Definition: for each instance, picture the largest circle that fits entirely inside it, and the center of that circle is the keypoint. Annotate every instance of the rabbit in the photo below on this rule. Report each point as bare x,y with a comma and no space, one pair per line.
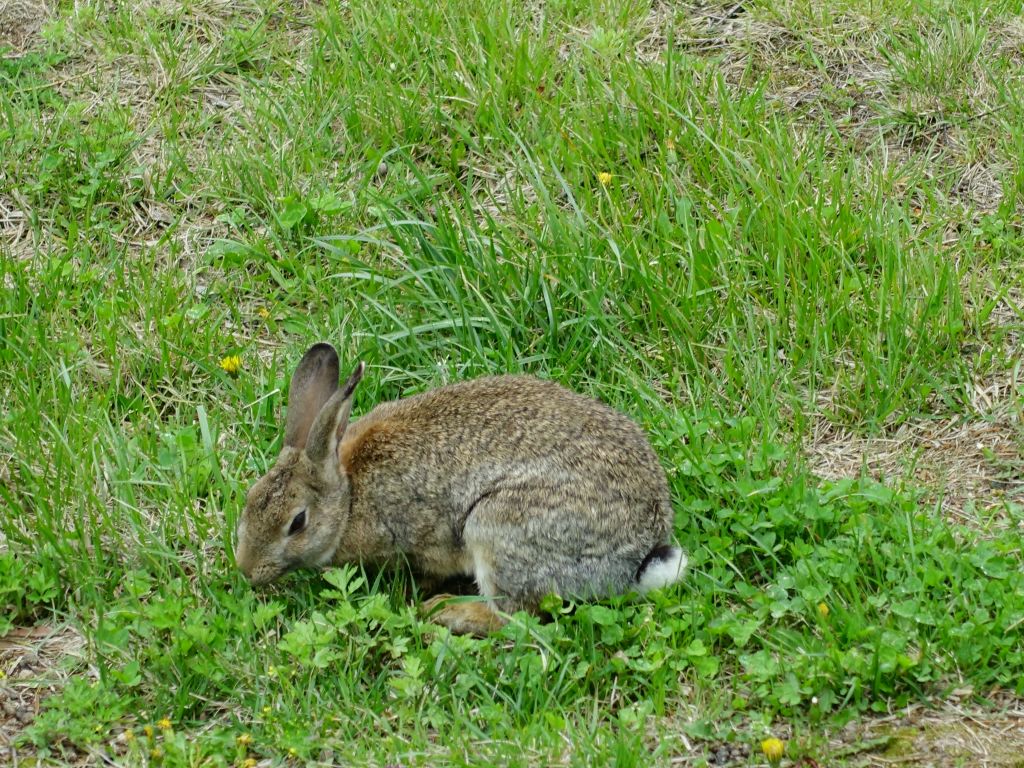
517,482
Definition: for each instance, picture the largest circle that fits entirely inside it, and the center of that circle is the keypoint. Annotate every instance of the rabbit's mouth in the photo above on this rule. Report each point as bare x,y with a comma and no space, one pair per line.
325,558
264,574
257,573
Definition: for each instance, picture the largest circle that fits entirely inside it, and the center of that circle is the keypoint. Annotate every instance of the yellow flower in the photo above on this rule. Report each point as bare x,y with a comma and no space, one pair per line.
292,752
263,312
267,710
231,364
128,735
670,144
163,724
272,671
773,749
823,610
605,178
244,739
249,762
148,730
156,753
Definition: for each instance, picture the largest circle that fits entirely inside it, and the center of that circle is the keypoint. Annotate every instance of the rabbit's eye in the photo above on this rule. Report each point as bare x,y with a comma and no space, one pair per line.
298,523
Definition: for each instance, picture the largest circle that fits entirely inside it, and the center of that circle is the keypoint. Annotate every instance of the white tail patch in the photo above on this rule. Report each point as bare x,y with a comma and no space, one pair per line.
663,572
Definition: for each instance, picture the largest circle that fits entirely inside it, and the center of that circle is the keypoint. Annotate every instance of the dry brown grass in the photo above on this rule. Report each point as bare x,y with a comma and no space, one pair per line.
954,736
35,662
20,23
972,469
15,232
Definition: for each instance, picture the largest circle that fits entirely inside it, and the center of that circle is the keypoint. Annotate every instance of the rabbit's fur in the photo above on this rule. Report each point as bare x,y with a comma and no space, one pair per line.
518,482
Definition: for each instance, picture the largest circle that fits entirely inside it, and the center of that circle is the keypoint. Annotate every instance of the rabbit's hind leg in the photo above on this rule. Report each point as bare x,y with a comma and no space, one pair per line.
476,616
468,616
463,616
531,542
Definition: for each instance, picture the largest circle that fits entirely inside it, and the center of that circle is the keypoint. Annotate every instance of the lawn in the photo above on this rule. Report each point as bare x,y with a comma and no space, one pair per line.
785,236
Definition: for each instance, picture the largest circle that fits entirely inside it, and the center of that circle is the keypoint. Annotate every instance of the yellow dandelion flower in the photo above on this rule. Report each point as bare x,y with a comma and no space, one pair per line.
231,364
249,762
773,749
263,312
605,178
244,739
823,610
272,671
292,752
148,730
156,753
268,710
164,724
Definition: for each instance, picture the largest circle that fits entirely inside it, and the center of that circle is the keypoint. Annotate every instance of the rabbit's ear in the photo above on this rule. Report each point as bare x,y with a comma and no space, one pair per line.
313,383
330,424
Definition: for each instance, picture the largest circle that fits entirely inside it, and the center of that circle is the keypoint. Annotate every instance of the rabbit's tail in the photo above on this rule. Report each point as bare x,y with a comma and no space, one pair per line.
664,565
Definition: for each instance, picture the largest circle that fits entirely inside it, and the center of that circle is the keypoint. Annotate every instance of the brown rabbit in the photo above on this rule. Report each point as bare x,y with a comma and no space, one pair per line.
523,485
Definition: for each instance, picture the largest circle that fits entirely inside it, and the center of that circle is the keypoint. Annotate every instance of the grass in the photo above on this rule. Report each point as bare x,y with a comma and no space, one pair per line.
752,228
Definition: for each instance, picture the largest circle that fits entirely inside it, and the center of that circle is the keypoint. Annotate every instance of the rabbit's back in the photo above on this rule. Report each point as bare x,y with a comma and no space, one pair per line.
570,464
483,425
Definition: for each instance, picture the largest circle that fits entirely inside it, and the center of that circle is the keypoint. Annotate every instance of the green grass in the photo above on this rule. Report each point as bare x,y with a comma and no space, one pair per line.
815,221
